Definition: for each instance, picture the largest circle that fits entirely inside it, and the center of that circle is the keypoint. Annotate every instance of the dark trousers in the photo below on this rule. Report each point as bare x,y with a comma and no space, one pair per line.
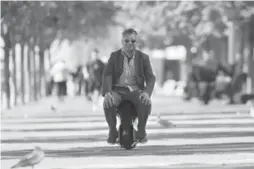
236,85
143,111
61,88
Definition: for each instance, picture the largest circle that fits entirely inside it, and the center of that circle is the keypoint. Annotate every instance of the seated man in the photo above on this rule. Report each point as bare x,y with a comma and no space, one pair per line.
131,68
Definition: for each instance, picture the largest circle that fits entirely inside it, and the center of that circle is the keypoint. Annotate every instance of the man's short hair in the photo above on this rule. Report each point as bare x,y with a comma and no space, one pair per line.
129,32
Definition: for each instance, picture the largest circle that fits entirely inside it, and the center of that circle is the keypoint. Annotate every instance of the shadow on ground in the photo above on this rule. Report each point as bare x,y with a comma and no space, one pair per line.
138,151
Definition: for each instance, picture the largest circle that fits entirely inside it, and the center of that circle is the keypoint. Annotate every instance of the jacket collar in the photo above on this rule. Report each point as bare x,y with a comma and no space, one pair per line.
136,60
125,54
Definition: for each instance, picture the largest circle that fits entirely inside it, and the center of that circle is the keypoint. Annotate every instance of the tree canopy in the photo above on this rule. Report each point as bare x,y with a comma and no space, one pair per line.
159,21
165,20
34,20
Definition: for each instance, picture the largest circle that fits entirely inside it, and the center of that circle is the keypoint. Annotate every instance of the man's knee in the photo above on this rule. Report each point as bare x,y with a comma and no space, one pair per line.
140,106
106,106
144,108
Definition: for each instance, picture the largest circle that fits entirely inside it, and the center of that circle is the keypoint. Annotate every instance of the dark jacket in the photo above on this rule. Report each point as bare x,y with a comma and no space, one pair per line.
96,69
114,68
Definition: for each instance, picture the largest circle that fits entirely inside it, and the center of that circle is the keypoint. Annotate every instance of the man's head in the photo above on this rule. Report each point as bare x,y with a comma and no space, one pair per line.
95,54
129,37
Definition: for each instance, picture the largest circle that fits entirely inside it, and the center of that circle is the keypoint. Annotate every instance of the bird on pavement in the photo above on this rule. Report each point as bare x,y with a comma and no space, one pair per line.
164,123
31,159
53,108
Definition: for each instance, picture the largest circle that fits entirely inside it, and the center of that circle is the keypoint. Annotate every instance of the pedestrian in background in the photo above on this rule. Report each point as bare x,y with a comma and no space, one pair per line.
60,74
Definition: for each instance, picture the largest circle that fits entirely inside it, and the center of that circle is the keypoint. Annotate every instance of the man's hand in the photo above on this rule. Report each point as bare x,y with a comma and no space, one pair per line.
109,100
145,99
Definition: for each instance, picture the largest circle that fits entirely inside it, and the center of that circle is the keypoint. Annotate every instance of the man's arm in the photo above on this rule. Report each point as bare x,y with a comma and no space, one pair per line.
107,76
149,76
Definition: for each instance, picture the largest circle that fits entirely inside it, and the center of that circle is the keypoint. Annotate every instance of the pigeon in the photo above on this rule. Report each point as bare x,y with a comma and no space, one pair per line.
31,159
164,123
53,108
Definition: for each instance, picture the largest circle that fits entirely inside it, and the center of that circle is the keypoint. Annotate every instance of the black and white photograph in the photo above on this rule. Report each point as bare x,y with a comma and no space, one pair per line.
128,84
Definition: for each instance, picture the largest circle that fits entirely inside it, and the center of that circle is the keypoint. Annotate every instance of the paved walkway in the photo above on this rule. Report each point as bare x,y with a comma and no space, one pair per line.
78,105
216,136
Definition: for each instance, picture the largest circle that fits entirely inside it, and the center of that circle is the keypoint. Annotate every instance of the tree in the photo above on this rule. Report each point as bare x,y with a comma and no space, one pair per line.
195,19
38,23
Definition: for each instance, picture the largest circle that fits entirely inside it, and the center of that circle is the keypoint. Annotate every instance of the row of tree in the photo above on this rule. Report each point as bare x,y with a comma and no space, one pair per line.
159,23
38,24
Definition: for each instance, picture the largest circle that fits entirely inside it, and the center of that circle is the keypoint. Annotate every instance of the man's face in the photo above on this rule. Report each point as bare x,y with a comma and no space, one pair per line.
94,55
129,42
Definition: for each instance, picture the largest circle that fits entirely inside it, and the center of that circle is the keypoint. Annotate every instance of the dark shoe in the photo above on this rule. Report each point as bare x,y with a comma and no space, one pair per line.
88,98
141,137
142,140
231,102
187,97
112,137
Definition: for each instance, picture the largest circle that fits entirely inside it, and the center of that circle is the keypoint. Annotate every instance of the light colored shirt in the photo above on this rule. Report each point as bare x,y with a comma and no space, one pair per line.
128,77
59,72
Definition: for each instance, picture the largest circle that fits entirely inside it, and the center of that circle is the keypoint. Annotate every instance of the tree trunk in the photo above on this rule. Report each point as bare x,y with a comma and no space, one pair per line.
14,77
41,71
34,69
7,68
48,79
242,46
29,73
22,73
251,55
231,42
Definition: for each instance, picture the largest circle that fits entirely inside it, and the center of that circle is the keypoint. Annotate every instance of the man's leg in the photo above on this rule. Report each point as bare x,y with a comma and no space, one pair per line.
59,91
80,82
208,92
64,90
143,112
87,88
232,90
110,115
56,103
187,89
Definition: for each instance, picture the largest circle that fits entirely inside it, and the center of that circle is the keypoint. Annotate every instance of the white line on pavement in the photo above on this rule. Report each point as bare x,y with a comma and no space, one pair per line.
53,134
143,161
102,118
162,142
91,125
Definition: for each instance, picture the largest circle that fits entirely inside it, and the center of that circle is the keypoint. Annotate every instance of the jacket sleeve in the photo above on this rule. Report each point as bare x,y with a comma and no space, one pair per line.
107,76
149,75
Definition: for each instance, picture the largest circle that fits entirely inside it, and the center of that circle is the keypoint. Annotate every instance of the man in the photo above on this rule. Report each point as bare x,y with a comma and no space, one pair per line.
238,79
79,79
132,68
96,70
60,74
92,72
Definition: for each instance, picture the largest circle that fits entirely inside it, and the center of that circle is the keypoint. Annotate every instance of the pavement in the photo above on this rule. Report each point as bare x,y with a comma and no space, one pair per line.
74,106
214,136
